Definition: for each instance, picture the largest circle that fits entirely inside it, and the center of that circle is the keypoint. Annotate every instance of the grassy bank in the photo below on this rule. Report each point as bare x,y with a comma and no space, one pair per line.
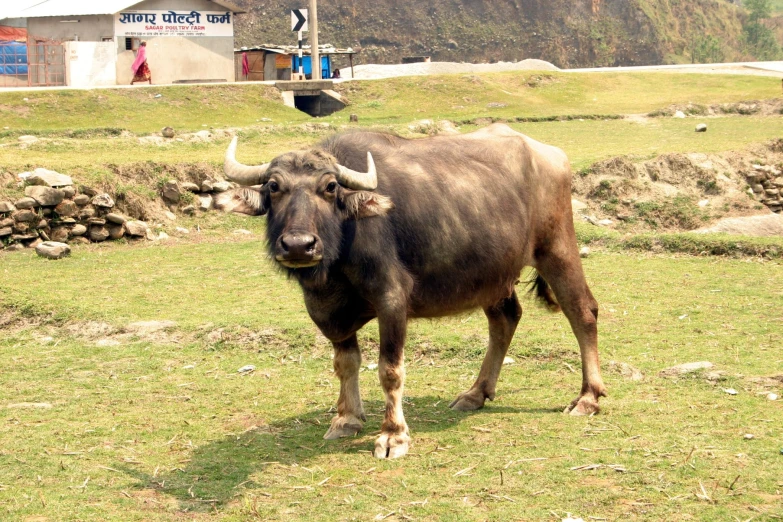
87,134
142,110
585,142
724,245
397,100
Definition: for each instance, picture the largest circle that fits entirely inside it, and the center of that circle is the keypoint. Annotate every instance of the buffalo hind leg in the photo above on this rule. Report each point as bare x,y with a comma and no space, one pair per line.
350,412
503,318
561,268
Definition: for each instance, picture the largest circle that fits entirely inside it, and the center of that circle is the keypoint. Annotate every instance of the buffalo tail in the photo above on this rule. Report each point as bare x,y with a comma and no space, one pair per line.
543,292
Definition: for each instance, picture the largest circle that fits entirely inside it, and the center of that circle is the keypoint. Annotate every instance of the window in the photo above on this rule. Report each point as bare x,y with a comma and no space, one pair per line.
107,38
132,44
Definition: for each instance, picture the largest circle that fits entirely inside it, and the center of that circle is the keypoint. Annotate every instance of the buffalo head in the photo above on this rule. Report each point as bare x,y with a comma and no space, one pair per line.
308,197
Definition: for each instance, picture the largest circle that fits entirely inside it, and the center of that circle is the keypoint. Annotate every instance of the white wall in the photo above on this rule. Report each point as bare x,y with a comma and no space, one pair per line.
89,28
174,59
90,64
171,59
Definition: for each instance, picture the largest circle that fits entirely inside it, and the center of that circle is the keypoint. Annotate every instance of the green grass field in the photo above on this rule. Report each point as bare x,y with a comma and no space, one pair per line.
103,422
163,428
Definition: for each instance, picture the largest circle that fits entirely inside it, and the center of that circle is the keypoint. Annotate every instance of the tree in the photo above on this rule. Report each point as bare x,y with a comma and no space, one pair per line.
758,9
759,39
707,49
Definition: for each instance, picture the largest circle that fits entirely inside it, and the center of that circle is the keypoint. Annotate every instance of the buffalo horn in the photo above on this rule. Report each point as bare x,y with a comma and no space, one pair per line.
359,180
245,175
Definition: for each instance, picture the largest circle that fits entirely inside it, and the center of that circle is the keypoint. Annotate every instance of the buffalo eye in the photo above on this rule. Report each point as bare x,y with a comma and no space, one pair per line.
274,187
331,187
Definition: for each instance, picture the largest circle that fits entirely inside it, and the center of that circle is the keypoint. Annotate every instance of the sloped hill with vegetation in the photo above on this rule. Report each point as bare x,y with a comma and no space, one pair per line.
568,33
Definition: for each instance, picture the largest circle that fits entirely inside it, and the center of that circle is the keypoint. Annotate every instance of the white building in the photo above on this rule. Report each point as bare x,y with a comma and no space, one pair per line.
93,42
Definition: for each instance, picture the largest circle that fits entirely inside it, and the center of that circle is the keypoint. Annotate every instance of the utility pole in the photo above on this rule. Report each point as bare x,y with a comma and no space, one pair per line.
315,57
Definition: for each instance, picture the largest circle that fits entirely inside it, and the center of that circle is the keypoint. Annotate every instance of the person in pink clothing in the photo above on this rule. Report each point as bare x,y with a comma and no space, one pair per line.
245,66
141,71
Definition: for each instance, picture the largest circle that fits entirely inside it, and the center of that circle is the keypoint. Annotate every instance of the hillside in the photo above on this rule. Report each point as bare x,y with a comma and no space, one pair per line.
568,33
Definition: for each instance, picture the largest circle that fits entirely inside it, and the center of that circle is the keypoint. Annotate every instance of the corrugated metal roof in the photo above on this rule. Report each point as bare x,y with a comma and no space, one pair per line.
44,8
11,9
80,8
293,49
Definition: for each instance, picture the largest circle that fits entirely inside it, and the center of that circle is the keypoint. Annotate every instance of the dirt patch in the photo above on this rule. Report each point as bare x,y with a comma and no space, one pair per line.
773,382
153,500
22,111
625,370
105,335
203,136
149,172
641,119
745,108
13,321
243,338
766,225
90,329
676,192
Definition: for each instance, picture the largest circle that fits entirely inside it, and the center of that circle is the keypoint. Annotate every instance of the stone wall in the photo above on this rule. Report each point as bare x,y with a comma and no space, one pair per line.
54,209
766,182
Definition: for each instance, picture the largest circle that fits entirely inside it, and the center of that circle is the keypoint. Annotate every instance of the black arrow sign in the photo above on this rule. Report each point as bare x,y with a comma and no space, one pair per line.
301,20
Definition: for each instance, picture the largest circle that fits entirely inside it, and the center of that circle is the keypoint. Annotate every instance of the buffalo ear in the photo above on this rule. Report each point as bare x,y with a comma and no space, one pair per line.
245,200
362,204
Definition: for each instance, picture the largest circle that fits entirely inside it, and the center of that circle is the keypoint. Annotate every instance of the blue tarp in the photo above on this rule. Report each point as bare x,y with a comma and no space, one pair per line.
307,65
13,58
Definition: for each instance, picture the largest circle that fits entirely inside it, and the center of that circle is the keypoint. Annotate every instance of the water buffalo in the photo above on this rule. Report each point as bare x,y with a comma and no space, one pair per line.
373,225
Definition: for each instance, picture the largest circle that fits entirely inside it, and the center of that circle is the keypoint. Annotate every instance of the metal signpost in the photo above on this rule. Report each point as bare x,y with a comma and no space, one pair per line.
299,24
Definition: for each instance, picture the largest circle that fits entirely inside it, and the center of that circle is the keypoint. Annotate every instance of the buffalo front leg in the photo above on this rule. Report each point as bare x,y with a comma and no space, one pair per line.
562,270
503,318
394,440
350,412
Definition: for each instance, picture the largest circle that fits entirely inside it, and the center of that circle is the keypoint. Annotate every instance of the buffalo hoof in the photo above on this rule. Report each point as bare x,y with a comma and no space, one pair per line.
584,405
347,426
392,445
468,401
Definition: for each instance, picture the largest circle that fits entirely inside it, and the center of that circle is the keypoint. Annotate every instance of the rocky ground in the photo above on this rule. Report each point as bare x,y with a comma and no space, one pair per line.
686,192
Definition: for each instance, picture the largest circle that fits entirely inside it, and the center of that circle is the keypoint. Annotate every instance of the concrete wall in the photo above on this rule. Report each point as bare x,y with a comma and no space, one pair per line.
271,72
88,28
90,64
174,59
171,59
14,22
95,28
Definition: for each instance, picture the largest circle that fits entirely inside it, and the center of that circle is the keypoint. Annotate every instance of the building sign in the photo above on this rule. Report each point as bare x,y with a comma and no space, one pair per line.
282,61
147,24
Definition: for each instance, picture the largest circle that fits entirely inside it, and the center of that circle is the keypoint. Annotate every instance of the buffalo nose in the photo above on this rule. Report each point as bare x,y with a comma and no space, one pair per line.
299,246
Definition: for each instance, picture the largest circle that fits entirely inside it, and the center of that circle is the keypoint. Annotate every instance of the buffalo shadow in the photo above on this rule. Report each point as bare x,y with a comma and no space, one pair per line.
215,470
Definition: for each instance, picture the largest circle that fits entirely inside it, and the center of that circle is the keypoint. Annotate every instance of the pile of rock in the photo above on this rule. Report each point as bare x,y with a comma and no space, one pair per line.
53,209
766,182
191,196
